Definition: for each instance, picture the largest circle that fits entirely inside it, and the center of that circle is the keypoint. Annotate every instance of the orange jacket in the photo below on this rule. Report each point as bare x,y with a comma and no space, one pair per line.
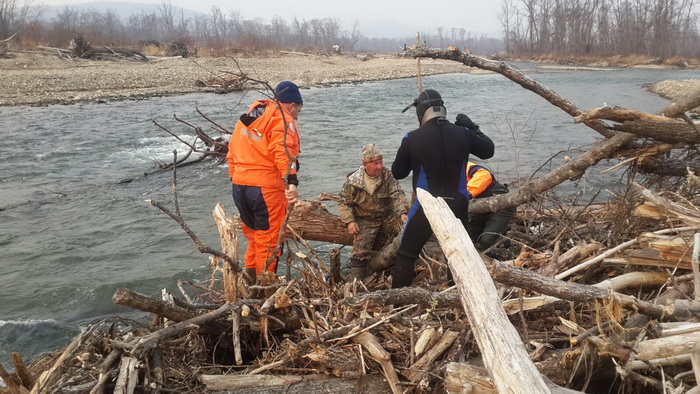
256,154
478,179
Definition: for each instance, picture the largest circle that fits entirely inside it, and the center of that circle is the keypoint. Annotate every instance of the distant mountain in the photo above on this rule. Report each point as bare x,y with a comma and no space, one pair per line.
123,10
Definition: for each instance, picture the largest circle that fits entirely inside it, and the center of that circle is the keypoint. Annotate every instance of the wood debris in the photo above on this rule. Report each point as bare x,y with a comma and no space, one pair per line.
579,296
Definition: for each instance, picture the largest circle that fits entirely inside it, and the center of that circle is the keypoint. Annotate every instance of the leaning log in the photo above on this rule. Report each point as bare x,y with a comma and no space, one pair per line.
501,346
134,300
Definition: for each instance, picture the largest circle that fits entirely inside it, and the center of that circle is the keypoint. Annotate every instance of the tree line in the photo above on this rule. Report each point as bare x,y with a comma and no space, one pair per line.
656,28
662,28
219,30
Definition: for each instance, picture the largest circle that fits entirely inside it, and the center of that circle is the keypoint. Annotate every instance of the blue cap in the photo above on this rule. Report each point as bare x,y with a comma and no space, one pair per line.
288,92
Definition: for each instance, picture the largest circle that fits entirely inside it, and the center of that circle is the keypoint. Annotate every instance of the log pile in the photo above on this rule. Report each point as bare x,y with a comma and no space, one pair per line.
579,297
80,48
609,323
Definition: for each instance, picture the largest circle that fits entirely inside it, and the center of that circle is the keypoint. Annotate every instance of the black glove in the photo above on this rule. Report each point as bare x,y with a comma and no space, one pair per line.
464,121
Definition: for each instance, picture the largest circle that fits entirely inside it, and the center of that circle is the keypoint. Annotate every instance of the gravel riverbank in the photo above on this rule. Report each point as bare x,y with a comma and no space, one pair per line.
42,78
31,78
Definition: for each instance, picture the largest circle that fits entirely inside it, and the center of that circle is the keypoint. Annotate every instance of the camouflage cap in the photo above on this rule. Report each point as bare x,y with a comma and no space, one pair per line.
370,153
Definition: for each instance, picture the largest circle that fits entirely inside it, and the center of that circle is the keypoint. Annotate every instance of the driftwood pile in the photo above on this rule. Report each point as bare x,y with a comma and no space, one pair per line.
612,323
579,296
80,48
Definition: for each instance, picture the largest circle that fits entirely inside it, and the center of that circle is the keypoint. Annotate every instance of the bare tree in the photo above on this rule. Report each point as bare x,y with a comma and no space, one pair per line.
301,31
166,9
507,17
218,24
280,30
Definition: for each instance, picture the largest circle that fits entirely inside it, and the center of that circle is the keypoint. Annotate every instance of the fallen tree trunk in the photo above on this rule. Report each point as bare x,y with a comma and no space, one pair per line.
312,221
134,300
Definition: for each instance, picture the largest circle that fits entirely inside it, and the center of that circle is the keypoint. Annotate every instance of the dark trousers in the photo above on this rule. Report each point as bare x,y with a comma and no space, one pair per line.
486,228
415,236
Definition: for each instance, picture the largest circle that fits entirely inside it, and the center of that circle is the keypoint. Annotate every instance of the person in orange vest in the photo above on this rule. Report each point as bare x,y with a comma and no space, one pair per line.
486,228
262,164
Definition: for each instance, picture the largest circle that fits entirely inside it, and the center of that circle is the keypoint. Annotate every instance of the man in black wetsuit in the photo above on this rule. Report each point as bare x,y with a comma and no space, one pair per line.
437,152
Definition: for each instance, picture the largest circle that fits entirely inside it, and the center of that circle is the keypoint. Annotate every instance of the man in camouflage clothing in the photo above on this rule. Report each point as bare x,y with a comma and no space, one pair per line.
371,204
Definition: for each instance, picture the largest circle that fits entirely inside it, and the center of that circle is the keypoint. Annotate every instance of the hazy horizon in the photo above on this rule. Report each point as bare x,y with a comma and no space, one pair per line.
382,20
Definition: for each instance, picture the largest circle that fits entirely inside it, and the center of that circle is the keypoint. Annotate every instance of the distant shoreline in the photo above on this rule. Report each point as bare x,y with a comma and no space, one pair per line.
36,78
42,78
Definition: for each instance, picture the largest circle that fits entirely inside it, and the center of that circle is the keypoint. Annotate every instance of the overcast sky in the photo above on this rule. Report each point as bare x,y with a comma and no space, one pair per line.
475,16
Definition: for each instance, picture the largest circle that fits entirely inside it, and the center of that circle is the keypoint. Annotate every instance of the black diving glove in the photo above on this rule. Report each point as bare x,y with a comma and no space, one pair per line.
464,121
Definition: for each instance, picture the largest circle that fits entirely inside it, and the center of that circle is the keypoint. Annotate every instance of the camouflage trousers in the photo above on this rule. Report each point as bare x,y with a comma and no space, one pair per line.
373,235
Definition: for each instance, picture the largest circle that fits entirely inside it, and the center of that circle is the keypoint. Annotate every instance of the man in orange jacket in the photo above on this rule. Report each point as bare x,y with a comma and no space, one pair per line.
486,228
261,157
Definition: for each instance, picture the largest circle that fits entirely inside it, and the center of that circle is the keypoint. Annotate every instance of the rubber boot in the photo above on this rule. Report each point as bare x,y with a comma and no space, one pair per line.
358,270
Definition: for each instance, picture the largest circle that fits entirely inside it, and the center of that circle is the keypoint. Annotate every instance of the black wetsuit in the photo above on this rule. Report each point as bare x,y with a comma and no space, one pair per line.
437,154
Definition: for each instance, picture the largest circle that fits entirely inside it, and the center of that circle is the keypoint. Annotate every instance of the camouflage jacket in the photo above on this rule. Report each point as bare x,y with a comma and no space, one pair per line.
356,202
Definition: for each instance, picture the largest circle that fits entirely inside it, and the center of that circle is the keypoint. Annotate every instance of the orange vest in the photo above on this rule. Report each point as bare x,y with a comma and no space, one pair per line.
256,154
478,179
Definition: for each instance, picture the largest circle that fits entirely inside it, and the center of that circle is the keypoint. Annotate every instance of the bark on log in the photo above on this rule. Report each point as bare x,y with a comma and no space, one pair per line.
50,377
419,370
671,131
150,341
569,170
621,115
461,378
381,356
312,221
293,384
10,383
501,346
682,105
689,216
132,299
22,371
666,166
128,376
668,347
229,246
514,75
105,369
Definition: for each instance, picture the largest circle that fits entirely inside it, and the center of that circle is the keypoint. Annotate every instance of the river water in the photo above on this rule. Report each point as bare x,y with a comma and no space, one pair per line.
72,231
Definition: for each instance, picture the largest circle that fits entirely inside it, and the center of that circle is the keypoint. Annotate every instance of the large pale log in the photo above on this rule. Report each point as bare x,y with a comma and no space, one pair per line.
501,347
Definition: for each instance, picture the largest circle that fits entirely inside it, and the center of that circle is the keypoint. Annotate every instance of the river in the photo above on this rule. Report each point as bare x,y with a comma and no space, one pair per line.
73,229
